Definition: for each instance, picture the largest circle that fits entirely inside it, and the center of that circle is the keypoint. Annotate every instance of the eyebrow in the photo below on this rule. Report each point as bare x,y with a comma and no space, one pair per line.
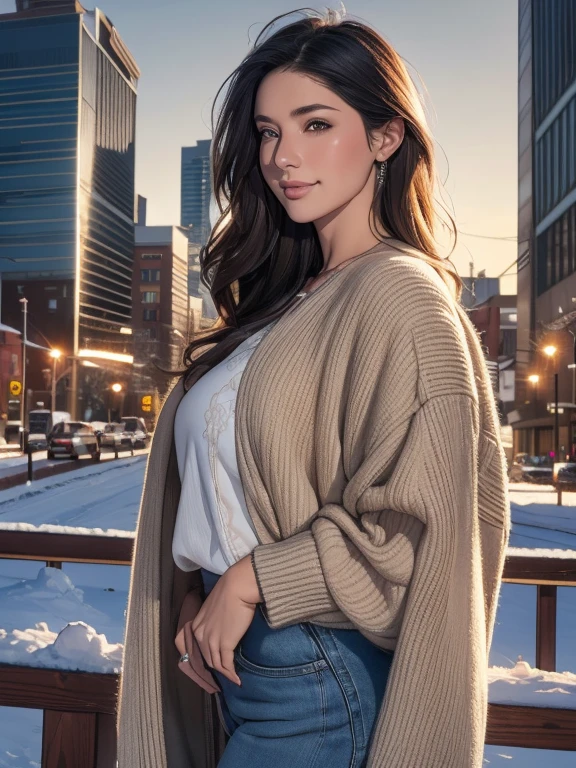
297,112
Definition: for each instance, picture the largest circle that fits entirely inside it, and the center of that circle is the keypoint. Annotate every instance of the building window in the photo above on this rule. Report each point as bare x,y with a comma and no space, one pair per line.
52,304
507,342
151,256
150,314
149,297
555,248
150,275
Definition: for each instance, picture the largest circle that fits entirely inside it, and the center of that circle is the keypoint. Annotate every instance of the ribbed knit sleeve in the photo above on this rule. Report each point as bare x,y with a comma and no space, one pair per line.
362,566
418,540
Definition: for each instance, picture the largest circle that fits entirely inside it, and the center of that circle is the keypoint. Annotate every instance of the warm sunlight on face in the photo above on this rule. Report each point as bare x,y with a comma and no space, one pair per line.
324,148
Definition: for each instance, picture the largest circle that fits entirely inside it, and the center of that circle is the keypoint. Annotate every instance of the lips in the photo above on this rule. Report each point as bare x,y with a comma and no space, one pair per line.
294,190
295,183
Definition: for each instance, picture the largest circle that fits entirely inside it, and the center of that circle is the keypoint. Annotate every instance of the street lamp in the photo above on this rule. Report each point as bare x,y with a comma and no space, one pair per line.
24,303
55,354
115,388
550,351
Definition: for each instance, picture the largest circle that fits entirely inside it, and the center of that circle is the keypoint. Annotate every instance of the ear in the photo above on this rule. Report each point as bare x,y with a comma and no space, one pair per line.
387,139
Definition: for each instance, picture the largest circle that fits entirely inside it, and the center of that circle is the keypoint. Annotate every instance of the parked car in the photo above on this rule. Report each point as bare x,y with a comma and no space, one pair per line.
531,469
73,439
115,434
566,476
40,423
137,425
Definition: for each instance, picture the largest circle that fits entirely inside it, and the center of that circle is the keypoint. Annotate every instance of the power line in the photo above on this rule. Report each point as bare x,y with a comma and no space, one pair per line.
510,239
507,268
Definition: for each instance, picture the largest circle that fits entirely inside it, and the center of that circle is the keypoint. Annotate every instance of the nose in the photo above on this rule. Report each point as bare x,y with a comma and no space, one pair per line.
286,154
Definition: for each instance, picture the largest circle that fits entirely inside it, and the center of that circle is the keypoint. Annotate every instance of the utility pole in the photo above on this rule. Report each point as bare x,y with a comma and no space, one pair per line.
24,303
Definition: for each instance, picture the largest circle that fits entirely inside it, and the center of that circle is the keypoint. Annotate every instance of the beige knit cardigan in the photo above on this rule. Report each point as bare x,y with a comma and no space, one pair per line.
368,446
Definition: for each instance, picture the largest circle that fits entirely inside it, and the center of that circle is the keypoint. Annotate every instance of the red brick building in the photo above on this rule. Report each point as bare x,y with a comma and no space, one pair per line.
160,306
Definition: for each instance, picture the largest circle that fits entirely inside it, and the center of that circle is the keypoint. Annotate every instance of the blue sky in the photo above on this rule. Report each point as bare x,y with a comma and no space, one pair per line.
464,51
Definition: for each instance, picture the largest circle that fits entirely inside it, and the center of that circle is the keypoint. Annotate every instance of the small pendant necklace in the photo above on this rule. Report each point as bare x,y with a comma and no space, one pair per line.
336,269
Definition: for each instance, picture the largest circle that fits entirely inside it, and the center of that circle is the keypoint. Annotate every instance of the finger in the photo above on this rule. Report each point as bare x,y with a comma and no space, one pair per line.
205,651
228,668
215,655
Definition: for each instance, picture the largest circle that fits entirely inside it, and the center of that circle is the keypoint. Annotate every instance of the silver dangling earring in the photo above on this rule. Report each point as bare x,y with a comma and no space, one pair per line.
383,172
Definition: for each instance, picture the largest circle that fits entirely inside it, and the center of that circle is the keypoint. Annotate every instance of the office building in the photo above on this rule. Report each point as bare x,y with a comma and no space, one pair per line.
67,111
546,227
195,191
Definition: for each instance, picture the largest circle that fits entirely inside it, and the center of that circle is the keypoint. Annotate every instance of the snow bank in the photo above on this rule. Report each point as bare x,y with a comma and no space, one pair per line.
72,644
76,647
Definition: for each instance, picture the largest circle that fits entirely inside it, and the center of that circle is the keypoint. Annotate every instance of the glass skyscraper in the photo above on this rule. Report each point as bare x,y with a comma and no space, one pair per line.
196,191
67,120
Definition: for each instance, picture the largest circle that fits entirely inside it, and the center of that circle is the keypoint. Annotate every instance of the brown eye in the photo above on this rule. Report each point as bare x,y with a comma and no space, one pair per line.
322,125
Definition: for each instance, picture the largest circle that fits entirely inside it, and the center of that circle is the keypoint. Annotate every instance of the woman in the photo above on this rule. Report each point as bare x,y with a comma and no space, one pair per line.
329,473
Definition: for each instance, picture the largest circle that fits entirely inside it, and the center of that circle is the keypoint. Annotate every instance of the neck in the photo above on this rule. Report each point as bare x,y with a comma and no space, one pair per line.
347,231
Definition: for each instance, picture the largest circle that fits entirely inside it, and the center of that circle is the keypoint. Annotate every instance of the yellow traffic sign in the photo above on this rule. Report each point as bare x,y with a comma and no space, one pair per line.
15,388
146,400
146,407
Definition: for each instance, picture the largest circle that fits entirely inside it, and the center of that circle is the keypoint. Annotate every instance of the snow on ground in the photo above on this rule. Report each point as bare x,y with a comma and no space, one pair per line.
74,617
100,495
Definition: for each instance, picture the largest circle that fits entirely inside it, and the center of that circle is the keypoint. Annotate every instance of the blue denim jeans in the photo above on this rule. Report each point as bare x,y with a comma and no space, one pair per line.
309,697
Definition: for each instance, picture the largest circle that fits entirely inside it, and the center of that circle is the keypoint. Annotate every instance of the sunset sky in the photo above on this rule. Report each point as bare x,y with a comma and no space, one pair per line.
463,50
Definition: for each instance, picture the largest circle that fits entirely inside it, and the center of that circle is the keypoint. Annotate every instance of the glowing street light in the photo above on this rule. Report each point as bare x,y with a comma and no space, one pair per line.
534,378
116,388
550,350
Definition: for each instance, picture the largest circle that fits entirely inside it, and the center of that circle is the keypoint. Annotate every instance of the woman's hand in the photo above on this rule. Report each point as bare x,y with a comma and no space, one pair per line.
225,616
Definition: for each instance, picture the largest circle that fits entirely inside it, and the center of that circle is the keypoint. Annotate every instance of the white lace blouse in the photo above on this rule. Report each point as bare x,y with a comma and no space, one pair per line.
213,529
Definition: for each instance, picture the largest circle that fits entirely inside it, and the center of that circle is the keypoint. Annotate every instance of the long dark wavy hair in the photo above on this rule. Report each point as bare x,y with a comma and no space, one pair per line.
257,258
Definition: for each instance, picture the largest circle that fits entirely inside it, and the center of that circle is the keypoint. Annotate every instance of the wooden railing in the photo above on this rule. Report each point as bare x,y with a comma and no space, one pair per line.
79,707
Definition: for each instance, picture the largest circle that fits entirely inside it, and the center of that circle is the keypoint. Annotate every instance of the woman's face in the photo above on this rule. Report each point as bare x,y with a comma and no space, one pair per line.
311,136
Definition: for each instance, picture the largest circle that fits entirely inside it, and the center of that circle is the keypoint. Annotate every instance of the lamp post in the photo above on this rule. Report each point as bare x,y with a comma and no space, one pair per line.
550,351
115,388
55,354
534,379
24,303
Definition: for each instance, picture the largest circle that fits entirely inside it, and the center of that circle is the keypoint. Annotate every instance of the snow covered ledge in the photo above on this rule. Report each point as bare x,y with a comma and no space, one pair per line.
561,554
67,530
526,686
